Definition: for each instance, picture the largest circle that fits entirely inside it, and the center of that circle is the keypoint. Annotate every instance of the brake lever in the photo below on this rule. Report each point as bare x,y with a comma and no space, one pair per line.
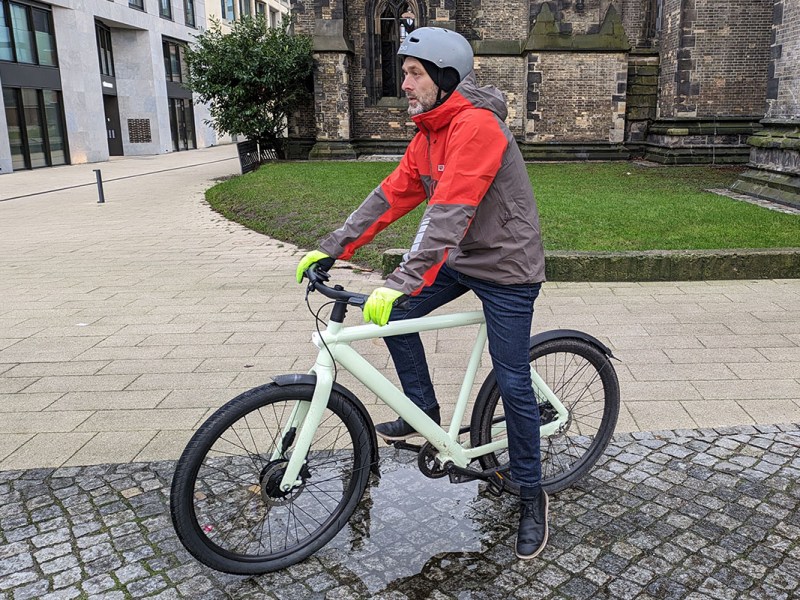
316,275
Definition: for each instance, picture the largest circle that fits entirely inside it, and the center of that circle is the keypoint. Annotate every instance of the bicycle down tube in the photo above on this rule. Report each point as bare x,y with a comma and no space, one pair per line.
336,340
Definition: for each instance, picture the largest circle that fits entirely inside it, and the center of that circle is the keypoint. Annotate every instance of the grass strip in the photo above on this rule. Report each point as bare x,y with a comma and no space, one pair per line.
614,206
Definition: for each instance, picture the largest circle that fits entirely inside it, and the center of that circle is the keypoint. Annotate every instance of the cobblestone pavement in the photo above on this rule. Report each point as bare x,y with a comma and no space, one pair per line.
675,514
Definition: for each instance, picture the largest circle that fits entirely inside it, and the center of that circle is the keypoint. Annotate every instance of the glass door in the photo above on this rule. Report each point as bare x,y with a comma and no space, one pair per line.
35,127
181,121
16,132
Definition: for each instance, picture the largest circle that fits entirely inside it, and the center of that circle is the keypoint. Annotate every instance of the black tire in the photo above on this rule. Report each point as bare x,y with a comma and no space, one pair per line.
583,378
225,503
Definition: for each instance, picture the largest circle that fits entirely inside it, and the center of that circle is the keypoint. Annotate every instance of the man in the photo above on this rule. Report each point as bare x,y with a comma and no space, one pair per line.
480,232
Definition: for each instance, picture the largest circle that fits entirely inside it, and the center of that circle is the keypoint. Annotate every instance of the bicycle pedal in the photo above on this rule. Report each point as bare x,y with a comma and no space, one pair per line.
404,445
456,477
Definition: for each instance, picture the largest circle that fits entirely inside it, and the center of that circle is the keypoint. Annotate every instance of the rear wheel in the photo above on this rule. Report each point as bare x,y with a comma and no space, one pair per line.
584,380
226,503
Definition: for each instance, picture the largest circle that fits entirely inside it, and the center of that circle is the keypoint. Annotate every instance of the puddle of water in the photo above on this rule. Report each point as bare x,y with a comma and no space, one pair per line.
410,531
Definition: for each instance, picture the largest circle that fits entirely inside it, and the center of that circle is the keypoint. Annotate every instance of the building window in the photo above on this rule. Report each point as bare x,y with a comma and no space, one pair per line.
244,8
261,8
165,9
174,63
23,36
27,35
137,4
226,10
35,127
392,21
6,49
45,37
274,19
188,9
104,53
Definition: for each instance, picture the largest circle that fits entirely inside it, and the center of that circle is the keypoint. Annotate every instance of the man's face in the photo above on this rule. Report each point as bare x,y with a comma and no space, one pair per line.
418,86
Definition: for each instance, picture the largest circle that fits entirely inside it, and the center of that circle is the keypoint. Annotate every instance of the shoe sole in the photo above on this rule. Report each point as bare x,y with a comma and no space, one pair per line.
399,438
546,532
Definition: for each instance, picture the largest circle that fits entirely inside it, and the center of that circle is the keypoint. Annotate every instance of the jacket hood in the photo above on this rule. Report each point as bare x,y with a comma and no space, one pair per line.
466,95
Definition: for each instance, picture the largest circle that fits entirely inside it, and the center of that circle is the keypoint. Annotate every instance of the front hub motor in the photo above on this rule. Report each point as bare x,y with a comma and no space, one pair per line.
270,483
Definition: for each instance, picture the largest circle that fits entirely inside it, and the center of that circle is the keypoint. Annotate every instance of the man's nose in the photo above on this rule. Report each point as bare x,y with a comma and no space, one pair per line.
407,83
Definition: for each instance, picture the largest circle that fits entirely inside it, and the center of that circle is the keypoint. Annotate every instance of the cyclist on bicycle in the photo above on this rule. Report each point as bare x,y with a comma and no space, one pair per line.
480,232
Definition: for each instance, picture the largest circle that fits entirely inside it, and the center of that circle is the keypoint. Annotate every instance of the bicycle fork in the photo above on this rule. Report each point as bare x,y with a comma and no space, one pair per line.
308,418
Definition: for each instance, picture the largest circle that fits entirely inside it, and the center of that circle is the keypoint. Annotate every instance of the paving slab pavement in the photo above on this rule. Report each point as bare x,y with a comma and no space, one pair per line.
130,321
124,324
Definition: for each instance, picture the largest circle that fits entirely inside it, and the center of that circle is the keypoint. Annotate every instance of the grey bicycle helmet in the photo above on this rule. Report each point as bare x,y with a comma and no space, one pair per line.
449,52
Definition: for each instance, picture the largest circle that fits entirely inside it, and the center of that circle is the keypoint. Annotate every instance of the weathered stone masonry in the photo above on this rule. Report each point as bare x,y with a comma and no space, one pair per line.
712,82
565,82
775,154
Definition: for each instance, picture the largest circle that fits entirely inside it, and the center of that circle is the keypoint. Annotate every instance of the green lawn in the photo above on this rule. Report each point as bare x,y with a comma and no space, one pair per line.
583,206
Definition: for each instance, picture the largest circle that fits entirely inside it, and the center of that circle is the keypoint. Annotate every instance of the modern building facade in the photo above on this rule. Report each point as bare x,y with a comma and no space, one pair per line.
228,11
83,80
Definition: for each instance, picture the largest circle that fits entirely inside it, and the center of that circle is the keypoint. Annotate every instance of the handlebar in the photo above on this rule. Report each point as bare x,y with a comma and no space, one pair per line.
317,278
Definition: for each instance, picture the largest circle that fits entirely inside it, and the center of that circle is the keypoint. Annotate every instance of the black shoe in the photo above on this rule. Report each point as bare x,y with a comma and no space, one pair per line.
400,430
532,535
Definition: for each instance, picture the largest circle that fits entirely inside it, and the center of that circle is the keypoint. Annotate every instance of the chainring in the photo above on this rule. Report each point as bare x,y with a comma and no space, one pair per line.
427,463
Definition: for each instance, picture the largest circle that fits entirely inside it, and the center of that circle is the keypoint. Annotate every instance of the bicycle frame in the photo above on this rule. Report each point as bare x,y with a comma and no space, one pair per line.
335,344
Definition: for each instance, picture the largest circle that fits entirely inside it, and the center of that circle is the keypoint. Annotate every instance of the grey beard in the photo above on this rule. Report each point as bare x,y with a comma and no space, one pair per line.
417,110
422,106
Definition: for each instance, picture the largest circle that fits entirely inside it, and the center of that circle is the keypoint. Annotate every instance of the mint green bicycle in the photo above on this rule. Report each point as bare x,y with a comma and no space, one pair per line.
274,474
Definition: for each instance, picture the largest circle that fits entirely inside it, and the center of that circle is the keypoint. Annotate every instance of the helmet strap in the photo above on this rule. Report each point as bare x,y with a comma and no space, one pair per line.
439,97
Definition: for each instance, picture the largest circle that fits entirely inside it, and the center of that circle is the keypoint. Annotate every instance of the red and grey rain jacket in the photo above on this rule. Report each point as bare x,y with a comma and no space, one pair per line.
481,217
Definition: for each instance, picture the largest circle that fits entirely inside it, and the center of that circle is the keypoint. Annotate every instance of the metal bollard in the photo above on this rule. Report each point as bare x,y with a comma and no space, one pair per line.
102,199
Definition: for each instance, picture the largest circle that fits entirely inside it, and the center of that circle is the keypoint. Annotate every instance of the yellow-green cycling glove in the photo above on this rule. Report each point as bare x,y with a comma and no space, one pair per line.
311,258
379,305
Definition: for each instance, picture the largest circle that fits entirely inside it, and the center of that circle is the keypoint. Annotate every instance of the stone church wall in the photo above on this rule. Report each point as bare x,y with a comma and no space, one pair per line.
675,80
581,97
775,149
783,92
714,57
507,73
713,79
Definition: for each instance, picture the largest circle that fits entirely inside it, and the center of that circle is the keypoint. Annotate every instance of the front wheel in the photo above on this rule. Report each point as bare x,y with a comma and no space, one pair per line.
583,379
226,503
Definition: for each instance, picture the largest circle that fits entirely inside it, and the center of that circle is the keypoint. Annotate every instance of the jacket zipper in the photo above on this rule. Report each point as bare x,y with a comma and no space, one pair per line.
430,165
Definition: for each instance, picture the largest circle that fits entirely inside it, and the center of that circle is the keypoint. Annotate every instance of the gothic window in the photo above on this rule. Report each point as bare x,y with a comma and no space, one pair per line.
391,22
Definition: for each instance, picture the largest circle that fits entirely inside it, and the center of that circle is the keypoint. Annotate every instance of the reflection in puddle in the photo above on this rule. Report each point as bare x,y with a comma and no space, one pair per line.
411,532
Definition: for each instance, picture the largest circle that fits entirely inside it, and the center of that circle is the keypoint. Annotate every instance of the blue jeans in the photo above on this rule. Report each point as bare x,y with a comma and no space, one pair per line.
509,311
